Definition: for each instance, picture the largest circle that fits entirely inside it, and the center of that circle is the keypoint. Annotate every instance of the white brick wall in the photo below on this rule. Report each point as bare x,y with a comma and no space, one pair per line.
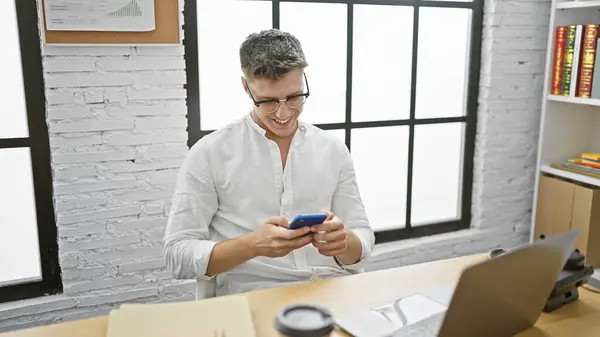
117,123
117,120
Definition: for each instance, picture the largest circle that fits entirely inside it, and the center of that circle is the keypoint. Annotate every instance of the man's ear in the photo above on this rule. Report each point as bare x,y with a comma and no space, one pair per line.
244,85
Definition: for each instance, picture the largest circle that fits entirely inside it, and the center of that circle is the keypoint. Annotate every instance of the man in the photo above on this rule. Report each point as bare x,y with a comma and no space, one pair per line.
240,187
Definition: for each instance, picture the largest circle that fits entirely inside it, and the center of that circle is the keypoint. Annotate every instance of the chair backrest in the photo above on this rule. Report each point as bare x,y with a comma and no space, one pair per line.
205,288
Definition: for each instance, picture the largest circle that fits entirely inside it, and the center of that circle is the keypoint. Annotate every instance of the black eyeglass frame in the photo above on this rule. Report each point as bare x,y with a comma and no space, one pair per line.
279,101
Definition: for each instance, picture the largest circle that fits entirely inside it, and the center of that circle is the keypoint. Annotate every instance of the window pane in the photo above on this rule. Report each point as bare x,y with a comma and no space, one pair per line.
18,219
339,134
437,173
13,118
222,27
442,62
381,160
382,57
325,53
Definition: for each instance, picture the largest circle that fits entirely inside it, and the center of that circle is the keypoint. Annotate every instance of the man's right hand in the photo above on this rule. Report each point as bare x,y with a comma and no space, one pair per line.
273,239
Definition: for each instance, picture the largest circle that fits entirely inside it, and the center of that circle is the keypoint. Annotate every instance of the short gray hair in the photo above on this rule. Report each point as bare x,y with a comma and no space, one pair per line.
271,54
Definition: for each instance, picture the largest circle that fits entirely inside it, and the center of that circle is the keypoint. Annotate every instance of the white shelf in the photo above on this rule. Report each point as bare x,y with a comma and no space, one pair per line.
577,4
574,100
570,175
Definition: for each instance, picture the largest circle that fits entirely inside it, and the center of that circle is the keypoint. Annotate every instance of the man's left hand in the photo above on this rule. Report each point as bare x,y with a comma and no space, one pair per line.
331,237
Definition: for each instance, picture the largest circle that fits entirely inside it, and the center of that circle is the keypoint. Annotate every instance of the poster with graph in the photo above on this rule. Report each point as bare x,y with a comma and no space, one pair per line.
100,15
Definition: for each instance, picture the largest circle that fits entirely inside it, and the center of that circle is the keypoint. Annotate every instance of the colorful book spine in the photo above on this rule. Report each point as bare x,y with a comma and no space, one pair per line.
568,60
588,57
559,53
576,64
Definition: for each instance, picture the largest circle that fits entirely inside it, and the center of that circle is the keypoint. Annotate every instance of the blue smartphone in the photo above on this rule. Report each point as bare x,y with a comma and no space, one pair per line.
304,220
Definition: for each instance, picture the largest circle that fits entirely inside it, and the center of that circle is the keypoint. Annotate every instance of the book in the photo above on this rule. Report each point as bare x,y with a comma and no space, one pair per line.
588,57
568,60
591,156
559,53
575,64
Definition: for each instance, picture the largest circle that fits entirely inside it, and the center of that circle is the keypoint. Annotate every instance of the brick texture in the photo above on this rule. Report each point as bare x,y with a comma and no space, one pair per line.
117,119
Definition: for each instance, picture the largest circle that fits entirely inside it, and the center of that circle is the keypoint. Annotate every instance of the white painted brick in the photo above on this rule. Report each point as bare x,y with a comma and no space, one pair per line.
70,65
179,288
115,256
162,152
35,306
163,177
83,274
92,125
68,262
156,94
178,136
101,243
153,209
96,215
142,63
160,50
158,276
67,140
155,234
71,231
162,78
146,195
66,113
121,167
88,80
156,123
541,8
56,98
86,51
70,188
94,97
79,202
125,296
88,157
73,288
141,266
144,223
136,110
119,97
75,172
80,315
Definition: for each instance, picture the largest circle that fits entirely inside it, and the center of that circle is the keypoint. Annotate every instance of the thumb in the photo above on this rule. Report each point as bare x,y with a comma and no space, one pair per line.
278,221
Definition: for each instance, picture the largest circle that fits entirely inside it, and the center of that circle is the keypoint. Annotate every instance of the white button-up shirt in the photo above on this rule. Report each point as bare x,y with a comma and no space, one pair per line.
232,181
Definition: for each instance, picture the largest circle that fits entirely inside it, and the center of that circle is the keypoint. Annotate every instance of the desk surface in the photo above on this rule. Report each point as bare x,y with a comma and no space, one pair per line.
581,318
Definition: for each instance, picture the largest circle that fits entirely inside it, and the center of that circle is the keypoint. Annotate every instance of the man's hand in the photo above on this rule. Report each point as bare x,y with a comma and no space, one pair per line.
273,239
332,238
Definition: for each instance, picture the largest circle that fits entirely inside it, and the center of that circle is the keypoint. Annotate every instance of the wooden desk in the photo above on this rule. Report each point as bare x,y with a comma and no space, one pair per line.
581,318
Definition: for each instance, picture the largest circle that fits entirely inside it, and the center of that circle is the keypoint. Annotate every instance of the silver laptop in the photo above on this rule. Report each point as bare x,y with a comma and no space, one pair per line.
495,298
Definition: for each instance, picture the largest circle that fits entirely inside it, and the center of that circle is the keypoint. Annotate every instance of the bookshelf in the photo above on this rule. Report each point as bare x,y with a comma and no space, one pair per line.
569,125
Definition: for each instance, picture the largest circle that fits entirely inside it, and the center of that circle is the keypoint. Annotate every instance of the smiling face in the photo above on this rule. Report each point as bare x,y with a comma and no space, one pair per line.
279,121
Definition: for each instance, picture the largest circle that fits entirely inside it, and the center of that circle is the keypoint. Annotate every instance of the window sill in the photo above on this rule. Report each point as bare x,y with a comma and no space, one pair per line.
442,246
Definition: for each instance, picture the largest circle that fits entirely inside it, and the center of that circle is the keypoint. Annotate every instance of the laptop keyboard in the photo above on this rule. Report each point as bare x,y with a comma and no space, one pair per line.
429,327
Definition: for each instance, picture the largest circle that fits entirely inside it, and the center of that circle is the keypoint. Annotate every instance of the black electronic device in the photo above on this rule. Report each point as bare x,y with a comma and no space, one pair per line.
575,273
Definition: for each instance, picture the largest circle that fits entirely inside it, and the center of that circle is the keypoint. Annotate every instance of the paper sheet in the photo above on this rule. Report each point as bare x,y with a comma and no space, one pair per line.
230,314
100,15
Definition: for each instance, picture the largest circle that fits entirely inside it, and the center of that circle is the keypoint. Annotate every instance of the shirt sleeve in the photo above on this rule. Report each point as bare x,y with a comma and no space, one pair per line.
187,247
348,206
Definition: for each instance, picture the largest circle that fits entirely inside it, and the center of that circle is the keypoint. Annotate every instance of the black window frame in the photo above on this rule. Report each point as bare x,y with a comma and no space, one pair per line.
39,144
469,119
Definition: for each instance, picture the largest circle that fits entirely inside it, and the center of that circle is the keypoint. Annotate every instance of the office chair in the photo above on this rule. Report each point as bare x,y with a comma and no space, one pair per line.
205,288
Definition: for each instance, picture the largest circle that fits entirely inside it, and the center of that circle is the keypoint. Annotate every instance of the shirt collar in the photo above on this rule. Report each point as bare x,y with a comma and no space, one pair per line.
252,123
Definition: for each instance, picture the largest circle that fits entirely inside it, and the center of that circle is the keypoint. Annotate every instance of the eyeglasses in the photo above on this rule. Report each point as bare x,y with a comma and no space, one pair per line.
271,105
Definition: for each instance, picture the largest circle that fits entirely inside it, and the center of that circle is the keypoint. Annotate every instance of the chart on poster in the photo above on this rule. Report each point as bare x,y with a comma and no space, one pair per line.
100,15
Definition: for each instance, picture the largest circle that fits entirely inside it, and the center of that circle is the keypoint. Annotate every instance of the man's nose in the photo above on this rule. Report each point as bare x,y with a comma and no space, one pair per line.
283,111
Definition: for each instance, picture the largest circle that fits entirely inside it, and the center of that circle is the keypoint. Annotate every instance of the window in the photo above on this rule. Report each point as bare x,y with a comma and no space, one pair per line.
28,244
397,81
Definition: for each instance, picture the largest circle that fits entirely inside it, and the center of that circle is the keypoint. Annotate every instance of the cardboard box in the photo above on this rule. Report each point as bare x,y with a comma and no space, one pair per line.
564,205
